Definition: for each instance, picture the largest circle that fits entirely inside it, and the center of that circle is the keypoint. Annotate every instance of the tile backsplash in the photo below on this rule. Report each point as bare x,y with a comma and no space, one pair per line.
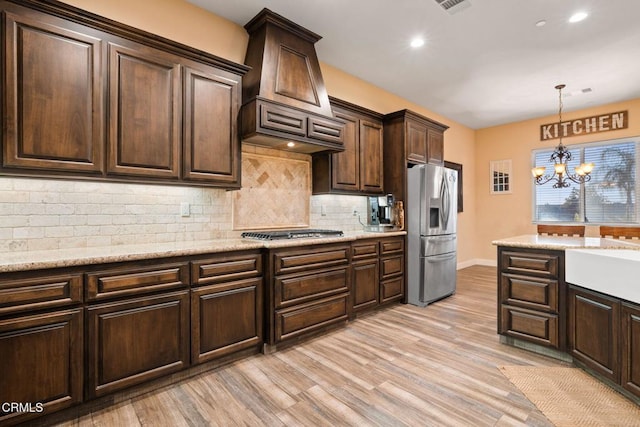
40,214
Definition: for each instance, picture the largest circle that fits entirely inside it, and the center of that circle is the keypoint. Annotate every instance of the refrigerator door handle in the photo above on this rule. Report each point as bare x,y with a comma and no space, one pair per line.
439,258
444,200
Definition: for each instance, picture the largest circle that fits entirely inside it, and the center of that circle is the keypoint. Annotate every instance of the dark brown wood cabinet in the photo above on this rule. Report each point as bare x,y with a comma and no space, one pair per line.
409,139
144,111
630,346
41,342
365,266
226,305
52,94
42,362
594,331
89,97
359,168
531,293
308,290
211,146
377,272
136,340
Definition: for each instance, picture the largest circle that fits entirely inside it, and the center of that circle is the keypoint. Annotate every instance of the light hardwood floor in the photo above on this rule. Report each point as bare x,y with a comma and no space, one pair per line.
405,365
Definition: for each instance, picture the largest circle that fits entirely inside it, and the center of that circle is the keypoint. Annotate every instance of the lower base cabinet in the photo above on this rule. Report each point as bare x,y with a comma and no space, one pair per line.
225,318
594,331
630,343
41,360
136,340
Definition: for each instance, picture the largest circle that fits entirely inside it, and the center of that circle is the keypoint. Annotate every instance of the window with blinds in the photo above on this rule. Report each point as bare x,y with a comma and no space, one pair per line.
608,198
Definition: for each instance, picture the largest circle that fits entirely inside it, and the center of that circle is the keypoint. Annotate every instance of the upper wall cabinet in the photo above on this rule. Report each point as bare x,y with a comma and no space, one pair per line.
85,96
409,139
53,99
359,168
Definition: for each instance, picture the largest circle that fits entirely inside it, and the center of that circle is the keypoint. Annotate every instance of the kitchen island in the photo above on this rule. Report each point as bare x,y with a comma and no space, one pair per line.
112,318
546,304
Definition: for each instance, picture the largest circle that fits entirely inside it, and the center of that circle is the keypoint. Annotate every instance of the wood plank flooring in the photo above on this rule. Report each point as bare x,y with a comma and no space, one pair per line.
402,366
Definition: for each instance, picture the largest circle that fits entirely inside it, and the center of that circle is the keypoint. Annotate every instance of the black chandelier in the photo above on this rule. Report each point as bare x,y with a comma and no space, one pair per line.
560,159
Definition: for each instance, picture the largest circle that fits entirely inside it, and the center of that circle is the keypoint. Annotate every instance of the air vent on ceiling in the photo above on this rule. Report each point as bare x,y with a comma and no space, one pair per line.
453,6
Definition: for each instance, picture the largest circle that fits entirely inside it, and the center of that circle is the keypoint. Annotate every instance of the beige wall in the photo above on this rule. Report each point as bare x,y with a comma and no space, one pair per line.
500,216
188,24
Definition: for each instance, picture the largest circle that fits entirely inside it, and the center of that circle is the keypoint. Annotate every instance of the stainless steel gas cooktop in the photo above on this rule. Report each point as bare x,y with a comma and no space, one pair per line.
291,234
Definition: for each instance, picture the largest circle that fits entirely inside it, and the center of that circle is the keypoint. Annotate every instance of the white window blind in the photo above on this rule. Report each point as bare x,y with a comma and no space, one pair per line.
608,198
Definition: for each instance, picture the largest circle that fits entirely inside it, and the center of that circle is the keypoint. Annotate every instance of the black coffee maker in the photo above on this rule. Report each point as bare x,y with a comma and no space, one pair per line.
381,210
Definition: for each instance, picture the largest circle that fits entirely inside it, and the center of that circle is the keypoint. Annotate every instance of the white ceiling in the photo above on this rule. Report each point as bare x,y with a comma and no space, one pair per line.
485,65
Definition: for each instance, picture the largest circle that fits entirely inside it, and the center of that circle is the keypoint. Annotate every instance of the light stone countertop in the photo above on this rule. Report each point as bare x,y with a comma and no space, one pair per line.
55,258
535,241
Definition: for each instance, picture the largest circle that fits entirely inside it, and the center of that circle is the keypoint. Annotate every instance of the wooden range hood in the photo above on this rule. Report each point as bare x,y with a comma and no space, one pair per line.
284,96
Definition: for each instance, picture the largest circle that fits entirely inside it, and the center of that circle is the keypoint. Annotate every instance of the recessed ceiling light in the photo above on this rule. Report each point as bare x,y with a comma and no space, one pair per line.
541,23
417,42
290,144
577,17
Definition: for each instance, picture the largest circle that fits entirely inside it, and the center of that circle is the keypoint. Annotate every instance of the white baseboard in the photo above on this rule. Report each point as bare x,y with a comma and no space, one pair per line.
477,261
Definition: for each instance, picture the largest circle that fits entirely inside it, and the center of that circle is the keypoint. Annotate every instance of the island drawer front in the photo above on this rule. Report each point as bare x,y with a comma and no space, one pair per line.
304,259
529,292
392,246
32,293
294,321
226,268
540,328
546,265
297,289
133,281
365,250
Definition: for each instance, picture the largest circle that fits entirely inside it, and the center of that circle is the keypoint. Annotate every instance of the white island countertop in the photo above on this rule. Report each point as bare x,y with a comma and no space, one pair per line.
536,241
54,258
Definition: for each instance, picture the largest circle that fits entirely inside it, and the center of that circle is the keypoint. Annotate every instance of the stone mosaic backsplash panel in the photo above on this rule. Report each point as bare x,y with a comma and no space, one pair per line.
275,193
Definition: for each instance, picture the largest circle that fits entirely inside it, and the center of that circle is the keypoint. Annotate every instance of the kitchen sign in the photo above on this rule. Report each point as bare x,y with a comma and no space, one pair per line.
586,125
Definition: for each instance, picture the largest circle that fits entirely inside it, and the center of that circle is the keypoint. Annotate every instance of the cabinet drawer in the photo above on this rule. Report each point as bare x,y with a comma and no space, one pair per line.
529,292
530,325
132,341
391,290
364,250
131,281
226,268
40,292
392,246
302,260
298,320
530,263
391,266
298,289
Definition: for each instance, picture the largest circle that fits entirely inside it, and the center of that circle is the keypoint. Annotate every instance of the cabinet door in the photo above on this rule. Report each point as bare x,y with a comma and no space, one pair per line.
594,321
42,361
371,157
416,140
365,284
630,343
435,147
211,144
52,95
346,165
226,318
144,112
136,340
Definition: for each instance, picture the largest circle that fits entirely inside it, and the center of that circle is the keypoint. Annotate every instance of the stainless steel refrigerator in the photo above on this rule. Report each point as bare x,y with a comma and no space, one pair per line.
431,233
